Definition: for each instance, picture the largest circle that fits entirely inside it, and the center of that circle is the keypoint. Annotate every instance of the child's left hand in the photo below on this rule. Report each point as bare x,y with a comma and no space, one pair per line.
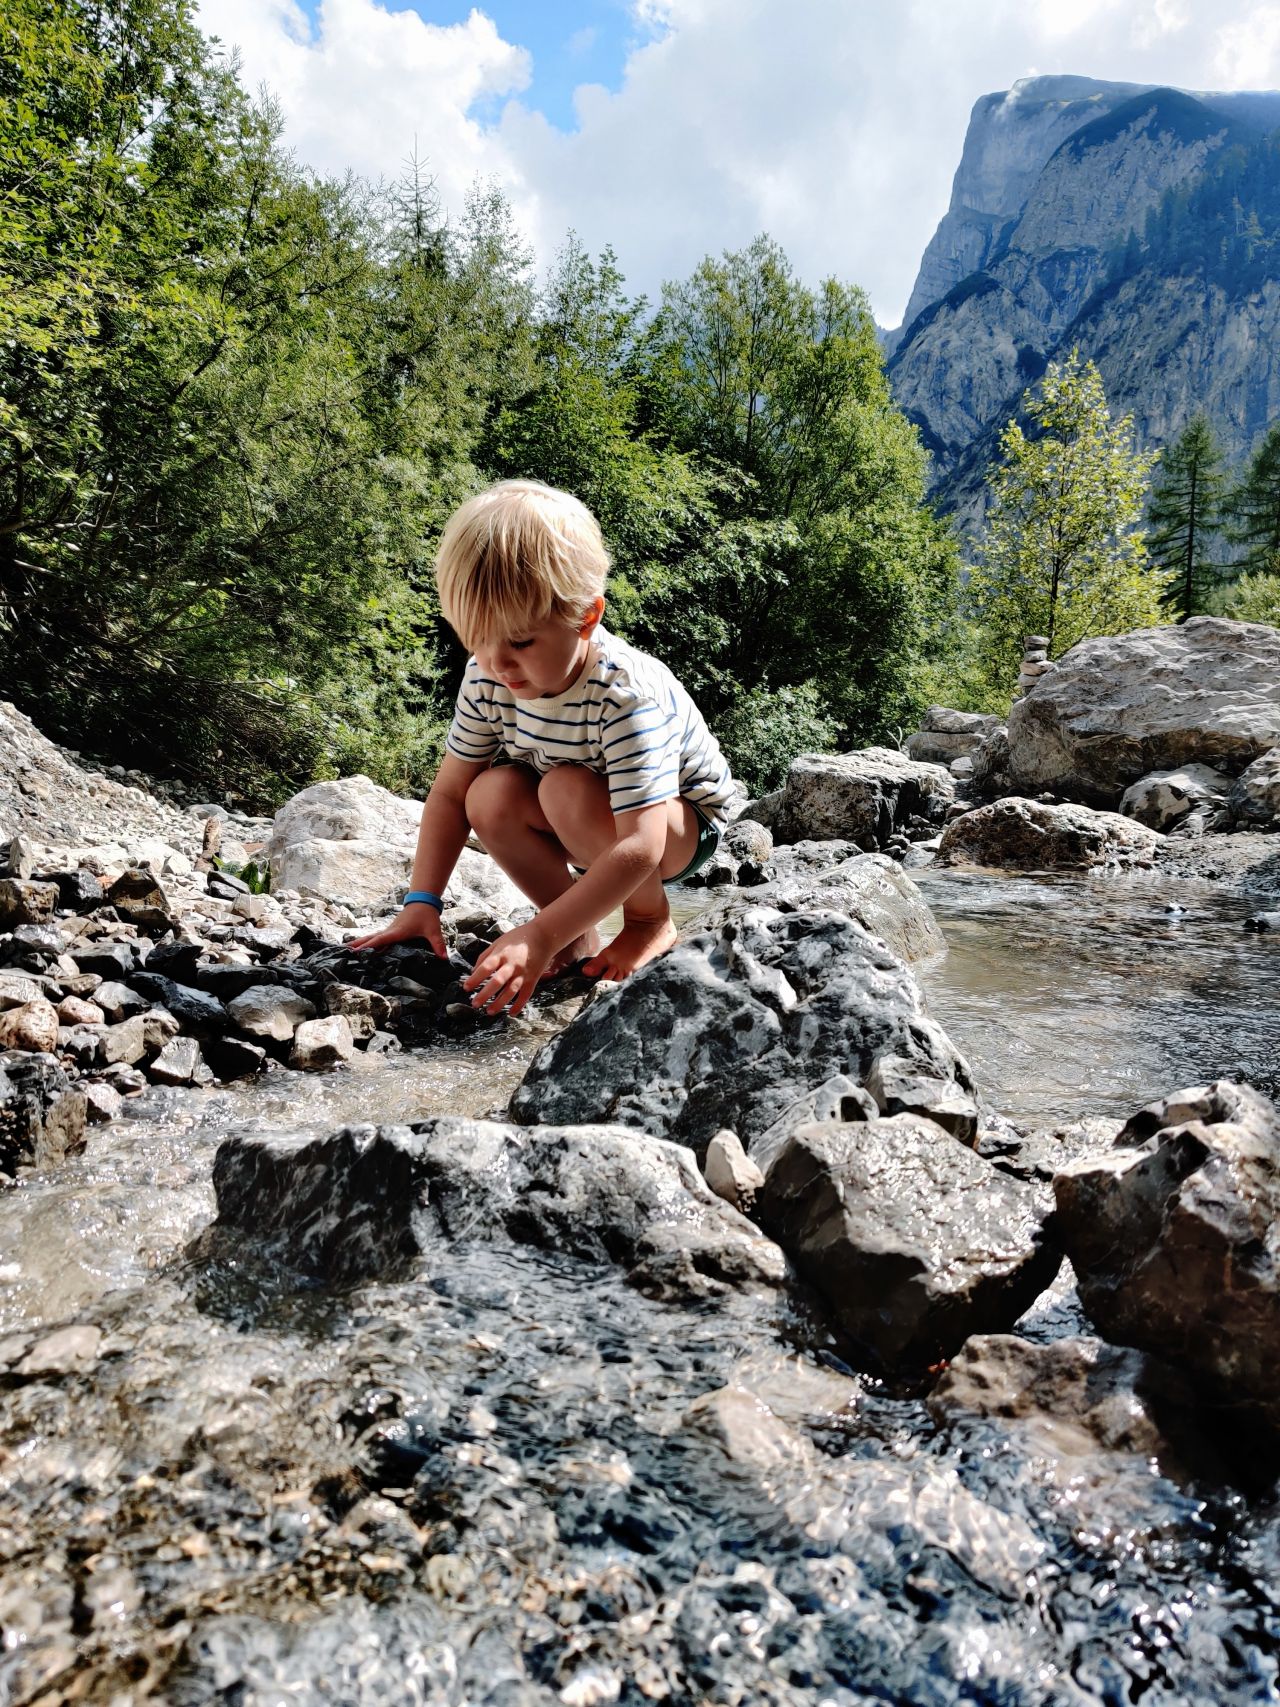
507,973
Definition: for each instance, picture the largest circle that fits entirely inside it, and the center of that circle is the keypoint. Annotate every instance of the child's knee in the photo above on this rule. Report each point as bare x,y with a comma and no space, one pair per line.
570,788
494,794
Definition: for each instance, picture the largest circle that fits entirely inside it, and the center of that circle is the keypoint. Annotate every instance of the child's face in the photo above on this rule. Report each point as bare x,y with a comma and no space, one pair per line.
541,660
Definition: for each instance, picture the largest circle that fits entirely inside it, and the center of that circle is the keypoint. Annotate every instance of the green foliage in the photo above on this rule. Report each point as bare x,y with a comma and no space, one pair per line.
255,877
765,729
1254,509
1185,515
1253,598
1062,553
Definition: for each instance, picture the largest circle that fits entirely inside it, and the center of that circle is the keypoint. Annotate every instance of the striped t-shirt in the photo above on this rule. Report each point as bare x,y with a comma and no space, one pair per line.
625,716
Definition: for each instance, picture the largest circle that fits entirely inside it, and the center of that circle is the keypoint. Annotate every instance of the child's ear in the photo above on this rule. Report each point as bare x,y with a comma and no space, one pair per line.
595,610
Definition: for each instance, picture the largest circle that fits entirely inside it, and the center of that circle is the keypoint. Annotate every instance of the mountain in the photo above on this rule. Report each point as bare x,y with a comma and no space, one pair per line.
1140,224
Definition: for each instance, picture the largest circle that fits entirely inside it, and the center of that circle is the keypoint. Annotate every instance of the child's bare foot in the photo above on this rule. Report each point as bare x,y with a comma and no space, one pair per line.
639,941
581,948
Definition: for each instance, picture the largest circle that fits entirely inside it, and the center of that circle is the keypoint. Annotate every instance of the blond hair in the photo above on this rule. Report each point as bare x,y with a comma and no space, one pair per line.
515,555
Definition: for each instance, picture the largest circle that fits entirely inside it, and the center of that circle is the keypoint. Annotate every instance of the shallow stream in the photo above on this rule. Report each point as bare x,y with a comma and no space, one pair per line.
486,1484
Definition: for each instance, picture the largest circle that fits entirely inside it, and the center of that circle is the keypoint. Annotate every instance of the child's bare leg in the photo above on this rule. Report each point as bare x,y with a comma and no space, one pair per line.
504,811
575,802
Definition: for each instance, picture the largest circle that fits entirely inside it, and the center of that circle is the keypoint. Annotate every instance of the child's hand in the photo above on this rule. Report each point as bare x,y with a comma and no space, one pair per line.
506,974
410,925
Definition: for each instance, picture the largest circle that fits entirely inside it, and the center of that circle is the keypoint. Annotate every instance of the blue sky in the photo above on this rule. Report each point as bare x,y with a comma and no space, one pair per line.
571,42
835,126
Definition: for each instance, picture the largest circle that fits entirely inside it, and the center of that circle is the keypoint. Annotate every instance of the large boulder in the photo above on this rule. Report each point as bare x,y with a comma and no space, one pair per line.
42,1116
352,841
871,888
1027,835
861,797
945,735
367,1201
1175,1240
736,1027
914,1241
1204,692
1166,800
1254,801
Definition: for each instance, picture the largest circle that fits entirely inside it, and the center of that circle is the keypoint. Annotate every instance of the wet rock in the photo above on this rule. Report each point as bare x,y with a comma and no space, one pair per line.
196,1011
914,1241
102,1102
321,1043
366,1011
1202,692
900,1087
1263,922
731,1173
869,888
42,1116
1165,799
179,1063
233,1058
367,1201
1175,1239
32,1026
1073,1397
1254,801
138,899
862,797
732,1028
24,903
271,1012
1031,835
65,1351
118,1001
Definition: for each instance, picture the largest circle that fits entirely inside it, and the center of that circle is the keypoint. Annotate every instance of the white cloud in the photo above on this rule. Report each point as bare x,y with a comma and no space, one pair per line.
837,128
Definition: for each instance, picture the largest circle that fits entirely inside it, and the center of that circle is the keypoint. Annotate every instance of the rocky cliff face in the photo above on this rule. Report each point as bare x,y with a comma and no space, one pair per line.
1044,248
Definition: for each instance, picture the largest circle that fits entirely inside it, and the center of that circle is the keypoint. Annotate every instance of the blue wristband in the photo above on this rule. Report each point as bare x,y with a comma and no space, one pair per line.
424,895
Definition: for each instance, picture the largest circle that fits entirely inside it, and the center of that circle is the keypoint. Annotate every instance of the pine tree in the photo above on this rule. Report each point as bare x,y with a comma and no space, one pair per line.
1186,514
1063,555
1254,510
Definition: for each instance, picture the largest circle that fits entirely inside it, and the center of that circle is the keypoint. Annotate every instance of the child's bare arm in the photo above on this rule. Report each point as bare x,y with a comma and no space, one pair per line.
441,834
505,976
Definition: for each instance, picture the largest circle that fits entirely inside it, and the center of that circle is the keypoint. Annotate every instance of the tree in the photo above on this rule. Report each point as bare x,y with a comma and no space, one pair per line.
1254,509
1062,554
1186,514
824,565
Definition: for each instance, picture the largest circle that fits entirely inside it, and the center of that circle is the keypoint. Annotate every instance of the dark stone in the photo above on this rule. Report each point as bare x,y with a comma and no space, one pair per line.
1173,1237
176,960
141,902
78,891
108,959
733,1028
366,1201
118,1001
197,1012
42,1117
33,948
914,1241
233,1058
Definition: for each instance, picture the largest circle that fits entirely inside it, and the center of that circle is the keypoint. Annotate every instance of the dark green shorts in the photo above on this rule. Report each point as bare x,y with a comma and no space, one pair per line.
708,842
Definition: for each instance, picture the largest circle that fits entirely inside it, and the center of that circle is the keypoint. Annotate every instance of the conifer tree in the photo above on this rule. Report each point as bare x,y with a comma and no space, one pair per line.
1063,554
1254,509
1186,514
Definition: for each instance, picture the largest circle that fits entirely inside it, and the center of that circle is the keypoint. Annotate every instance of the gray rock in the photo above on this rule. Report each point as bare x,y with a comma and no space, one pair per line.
321,1043
366,1010
914,1241
18,858
732,1028
1175,1239
861,797
945,735
368,1201
1254,802
870,888
766,809
16,989
272,1012
1165,799
731,1173
178,1063
1202,692
42,1116
901,1087
125,1043
1029,835
118,1001
102,1102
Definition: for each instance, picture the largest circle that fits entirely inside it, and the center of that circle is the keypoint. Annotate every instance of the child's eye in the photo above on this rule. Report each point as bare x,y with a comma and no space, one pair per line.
519,645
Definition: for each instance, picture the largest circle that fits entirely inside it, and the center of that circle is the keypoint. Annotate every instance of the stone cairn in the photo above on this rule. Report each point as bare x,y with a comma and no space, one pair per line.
1035,663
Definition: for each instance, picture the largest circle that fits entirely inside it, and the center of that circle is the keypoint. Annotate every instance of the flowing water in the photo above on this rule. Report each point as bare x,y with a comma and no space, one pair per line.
494,1482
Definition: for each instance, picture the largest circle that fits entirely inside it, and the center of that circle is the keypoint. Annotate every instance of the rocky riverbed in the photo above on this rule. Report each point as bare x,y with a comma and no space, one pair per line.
715,1337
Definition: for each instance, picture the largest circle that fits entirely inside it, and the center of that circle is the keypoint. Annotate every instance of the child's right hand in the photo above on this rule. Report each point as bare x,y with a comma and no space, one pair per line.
411,924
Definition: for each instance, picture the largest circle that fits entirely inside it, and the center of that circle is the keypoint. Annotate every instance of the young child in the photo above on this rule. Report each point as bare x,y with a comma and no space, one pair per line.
568,748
